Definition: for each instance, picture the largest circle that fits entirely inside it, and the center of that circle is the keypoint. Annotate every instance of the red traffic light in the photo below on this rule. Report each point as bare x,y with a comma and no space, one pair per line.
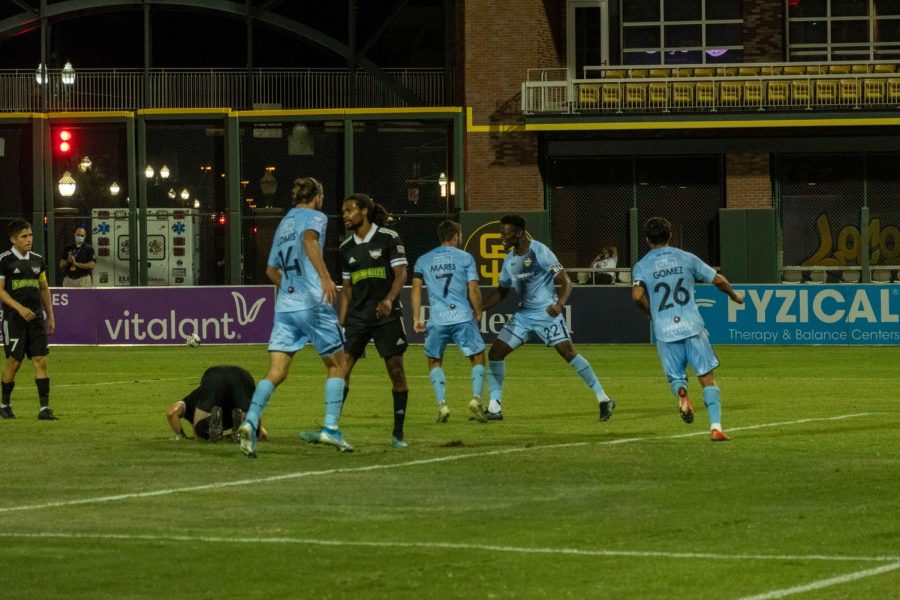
65,138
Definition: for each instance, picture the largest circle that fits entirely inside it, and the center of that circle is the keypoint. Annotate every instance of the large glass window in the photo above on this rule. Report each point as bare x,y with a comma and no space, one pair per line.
841,30
681,31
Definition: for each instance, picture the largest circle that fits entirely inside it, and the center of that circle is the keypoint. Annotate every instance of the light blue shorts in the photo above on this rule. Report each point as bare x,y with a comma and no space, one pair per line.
695,351
551,330
318,326
466,335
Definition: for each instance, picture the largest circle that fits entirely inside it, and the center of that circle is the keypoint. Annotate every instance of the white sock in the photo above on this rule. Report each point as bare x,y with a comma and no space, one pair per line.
494,406
715,426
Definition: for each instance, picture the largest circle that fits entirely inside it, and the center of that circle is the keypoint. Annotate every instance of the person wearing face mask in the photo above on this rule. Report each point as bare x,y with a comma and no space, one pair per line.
77,262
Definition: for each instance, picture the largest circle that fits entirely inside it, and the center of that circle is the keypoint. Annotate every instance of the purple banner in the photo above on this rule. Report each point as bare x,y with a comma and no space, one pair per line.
163,315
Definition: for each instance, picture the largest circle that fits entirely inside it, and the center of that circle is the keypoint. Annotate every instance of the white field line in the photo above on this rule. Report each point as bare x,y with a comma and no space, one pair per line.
823,583
383,467
98,383
447,546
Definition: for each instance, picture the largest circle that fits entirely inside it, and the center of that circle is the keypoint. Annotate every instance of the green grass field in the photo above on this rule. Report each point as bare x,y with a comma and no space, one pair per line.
546,504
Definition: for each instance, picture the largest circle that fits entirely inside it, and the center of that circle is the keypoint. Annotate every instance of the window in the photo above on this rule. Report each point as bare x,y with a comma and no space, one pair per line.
681,31
843,30
587,35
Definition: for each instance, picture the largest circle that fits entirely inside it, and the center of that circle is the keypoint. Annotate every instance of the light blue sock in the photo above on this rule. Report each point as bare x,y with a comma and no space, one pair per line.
495,381
477,380
261,397
677,384
439,383
713,406
334,398
583,367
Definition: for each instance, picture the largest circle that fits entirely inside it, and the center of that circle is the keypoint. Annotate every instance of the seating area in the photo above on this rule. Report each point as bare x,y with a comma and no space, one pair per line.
847,274
710,88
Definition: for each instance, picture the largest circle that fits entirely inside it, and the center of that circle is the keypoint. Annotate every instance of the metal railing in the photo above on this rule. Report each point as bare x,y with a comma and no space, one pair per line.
131,89
705,88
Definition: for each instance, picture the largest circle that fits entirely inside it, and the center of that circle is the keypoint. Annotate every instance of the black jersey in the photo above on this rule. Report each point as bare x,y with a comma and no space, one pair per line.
224,386
369,266
22,280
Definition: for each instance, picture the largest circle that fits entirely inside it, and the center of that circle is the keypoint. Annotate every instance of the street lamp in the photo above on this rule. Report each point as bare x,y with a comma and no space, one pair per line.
114,189
185,195
40,75
164,172
85,165
66,185
68,74
149,172
442,181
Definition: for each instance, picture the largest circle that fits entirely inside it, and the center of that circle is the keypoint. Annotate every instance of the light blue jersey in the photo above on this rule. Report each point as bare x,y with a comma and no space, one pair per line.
532,276
447,272
668,274
301,287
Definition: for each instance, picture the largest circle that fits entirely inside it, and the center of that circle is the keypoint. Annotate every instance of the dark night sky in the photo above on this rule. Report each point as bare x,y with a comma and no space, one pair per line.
182,38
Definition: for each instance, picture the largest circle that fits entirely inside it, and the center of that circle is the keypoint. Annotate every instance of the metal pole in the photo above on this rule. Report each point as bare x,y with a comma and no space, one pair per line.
233,190
348,157
39,151
148,53
459,158
132,152
137,237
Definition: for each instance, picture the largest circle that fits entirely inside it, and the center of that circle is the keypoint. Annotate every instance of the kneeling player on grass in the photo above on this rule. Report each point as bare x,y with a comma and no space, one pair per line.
218,404
451,279
664,289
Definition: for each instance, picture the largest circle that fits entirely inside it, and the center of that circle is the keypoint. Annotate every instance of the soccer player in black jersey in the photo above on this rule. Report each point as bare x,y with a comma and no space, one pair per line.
24,292
373,262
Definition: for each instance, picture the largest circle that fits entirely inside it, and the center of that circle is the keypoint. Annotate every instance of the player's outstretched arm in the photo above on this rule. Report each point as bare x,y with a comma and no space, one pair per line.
723,284
496,297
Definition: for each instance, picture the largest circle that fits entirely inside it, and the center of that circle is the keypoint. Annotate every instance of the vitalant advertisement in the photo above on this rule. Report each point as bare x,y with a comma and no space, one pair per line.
803,314
163,315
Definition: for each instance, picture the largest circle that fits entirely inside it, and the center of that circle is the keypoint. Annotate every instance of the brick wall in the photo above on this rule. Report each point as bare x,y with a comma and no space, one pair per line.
748,183
764,31
501,41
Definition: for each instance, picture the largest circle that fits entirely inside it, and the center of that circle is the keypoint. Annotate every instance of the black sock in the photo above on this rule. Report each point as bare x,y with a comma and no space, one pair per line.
400,399
43,387
344,399
7,391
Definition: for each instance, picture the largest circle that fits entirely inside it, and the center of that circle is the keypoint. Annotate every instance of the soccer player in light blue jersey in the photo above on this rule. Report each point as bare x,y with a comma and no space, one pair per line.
664,289
303,313
533,270
454,303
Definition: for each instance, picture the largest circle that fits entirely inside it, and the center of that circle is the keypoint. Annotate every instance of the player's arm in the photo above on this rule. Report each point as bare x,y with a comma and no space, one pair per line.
476,300
346,295
8,300
639,297
173,416
498,295
416,301
314,252
565,290
385,307
47,302
725,286
274,275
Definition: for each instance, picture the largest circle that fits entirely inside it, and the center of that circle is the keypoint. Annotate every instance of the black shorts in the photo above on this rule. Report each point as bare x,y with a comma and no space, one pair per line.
389,338
24,338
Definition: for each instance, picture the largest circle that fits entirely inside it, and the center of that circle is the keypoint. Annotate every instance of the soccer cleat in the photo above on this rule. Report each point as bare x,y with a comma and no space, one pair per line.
237,417
6,412
606,409
478,410
493,416
247,437
398,443
46,414
717,435
334,438
685,408
443,414
215,424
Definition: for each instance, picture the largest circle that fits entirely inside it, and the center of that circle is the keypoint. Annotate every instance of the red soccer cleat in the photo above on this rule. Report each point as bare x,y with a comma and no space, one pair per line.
685,407
717,435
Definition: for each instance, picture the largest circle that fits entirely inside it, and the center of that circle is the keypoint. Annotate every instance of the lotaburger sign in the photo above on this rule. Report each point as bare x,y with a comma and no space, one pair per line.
803,314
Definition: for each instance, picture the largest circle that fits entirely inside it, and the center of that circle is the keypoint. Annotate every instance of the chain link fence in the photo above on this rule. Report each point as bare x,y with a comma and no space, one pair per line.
16,172
591,200
883,191
821,197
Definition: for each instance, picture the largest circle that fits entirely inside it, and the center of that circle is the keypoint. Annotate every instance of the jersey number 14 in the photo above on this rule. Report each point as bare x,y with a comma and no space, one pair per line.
285,261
